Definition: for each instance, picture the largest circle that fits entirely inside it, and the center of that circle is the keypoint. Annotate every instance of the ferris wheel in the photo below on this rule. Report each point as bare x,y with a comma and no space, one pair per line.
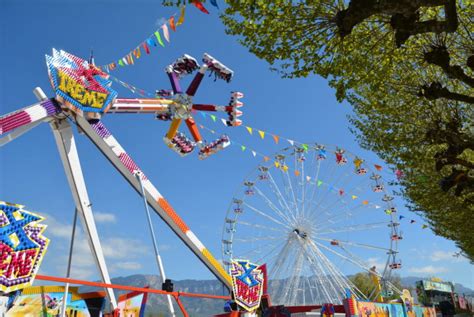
315,215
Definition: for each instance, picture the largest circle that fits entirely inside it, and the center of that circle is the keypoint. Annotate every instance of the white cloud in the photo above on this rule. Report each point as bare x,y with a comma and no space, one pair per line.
127,265
430,269
122,248
379,265
104,217
449,256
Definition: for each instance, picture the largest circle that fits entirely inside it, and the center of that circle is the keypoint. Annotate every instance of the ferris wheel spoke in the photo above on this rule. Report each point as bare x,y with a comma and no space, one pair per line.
257,239
271,205
342,280
261,213
362,245
290,185
281,199
259,226
355,228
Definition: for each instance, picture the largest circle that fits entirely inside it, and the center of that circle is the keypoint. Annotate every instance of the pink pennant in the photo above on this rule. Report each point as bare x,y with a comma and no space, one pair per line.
166,32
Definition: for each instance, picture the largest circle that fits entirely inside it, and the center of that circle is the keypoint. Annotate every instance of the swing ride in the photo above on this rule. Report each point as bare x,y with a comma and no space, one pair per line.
313,215
83,96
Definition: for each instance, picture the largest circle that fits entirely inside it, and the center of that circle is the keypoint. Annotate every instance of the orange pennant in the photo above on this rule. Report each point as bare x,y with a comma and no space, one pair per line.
378,167
266,158
172,25
276,138
297,173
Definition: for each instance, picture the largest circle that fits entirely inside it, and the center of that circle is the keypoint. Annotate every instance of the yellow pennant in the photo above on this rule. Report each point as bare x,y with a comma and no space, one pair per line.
354,197
277,164
284,168
262,133
249,129
181,16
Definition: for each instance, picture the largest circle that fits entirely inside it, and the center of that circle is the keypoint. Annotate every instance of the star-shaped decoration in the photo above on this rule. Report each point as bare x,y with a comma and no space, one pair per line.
17,220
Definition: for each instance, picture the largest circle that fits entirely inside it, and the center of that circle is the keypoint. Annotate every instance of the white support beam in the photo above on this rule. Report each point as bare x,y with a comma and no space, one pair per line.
113,151
67,149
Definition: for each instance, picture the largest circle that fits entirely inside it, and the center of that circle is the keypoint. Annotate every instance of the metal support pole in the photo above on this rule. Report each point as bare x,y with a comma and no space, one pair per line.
67,149
161,267
69,263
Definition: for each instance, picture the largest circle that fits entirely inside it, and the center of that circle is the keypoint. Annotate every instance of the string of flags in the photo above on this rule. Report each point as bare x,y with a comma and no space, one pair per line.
285,168
276,139
157,38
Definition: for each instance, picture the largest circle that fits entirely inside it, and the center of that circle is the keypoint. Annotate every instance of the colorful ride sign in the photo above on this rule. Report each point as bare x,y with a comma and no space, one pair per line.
247,284
79,85
22,246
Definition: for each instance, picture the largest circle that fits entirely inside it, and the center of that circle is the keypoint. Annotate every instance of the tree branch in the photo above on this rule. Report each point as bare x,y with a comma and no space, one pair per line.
437,91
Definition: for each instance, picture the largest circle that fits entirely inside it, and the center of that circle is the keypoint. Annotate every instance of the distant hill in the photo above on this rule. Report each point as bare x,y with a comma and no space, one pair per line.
157,305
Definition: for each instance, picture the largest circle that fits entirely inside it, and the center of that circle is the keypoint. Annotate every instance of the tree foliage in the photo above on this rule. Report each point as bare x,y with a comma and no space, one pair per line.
406,67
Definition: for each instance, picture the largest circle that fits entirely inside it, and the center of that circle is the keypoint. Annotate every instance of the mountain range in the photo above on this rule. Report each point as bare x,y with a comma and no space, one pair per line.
157,304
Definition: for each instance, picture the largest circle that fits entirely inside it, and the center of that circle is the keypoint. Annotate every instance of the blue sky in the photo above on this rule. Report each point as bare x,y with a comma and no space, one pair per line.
200,191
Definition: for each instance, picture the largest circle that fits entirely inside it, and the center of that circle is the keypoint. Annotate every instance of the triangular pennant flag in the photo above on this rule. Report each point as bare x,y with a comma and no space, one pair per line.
158,37
250,130
320,183
377,206
388,211
266,158
354,197
224,122
262,133
166,32
254,153
243,147
297,173
125,61
401,217
424,226
365,202
201,126
305,147
199,5
120,62
214,3
412,221
181,16
145,46
277,164
151,41
203,114
341,192
308,178
172,25
276,138
291,142
378,167
285,168
213,117
139,52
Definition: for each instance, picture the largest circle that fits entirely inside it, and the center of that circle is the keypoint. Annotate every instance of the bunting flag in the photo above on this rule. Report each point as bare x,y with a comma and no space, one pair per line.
365,202
181,16
308,178
152,41
224,122
166,32
388,211
266,158
424,226
199,5
214,3
254,153
158,38
354,197
378,167
291,142
401,217
319,183
172,24
341,192
305,147
277,164
213,117
243,147
412,221
276,138
262,133
249,129
297,173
